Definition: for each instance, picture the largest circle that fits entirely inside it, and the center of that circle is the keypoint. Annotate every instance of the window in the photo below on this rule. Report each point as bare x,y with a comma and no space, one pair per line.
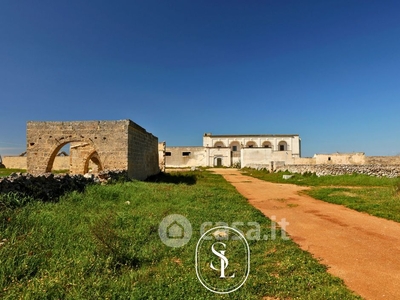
234,148
167,153
282,146
329,158
185,153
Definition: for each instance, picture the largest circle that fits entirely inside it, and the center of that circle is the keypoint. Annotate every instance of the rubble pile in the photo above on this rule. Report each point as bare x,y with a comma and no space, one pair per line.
49,187
389,171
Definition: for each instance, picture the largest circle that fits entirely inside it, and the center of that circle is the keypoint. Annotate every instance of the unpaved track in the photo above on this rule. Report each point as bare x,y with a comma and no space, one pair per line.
361,249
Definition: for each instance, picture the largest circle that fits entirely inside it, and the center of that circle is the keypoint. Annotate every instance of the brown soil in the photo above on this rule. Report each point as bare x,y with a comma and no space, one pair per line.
361,249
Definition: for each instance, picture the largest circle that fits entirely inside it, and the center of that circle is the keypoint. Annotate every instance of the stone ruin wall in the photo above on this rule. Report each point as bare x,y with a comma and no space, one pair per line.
20,162
162,147
111,145
142,153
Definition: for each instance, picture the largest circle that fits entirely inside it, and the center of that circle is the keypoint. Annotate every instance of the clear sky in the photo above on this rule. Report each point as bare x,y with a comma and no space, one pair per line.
326,70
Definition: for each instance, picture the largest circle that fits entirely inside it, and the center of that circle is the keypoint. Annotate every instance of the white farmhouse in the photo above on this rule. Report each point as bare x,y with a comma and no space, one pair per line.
265,150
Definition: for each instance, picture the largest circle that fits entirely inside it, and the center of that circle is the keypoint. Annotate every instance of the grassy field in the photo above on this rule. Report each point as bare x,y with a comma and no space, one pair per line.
377,196
5,172
96,245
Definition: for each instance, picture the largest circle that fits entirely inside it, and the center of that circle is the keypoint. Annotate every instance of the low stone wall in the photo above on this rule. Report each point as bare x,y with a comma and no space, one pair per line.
20,162
321,170
15,162
49,187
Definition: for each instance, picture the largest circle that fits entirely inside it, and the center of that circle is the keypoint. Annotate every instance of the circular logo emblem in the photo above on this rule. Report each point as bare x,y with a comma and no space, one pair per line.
175,230
222,259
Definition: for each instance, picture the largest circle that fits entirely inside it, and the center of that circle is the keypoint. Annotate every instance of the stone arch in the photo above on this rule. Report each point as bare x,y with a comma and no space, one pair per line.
267,144
251,144
80,153
282,146
93,157
219,144
120,145
53,154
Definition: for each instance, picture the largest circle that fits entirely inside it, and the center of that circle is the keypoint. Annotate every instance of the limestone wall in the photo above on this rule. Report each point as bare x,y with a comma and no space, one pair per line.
383,160
110,145
219,155
357,158
161,155
251,157
20,162
142,152
182,157
14,162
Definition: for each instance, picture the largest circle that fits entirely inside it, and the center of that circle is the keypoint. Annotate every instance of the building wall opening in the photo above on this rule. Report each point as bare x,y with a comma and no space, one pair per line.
267,145
93,163
251,144
282,146
219,145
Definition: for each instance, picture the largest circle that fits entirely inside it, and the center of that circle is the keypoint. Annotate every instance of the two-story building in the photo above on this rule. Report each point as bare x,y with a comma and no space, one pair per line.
237,150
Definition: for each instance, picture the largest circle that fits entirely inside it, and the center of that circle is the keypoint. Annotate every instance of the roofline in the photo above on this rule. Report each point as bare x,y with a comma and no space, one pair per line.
250,135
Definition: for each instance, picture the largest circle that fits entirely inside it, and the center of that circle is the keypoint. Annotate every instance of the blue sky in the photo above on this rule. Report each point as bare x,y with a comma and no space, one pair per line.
326,70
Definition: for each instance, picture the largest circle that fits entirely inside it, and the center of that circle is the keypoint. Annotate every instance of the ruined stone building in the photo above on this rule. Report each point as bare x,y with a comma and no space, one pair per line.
233,150
124,145
107,145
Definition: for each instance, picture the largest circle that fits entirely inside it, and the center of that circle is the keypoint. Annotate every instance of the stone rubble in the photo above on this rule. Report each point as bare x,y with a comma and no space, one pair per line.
49,187
389,171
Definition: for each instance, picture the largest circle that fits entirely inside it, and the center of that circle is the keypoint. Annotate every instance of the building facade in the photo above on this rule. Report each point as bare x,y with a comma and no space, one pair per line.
236,150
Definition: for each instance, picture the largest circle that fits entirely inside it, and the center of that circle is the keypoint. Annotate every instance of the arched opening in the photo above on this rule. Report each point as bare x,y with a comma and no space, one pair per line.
219,144
218,161
251,144
282,146
74,157
63,147
267,144
93,163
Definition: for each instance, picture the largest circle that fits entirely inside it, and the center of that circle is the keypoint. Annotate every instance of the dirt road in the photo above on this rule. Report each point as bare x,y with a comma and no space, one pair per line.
361,249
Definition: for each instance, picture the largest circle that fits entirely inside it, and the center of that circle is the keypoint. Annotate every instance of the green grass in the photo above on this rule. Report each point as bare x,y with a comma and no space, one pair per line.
60,171
378,196
93,245
382,202
311,179
5,172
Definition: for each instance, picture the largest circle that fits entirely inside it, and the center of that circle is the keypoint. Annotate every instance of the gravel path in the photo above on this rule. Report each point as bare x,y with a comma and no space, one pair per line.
361,249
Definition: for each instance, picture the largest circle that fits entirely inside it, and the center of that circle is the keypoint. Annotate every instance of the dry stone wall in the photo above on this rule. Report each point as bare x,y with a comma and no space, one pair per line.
49,187
330,169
